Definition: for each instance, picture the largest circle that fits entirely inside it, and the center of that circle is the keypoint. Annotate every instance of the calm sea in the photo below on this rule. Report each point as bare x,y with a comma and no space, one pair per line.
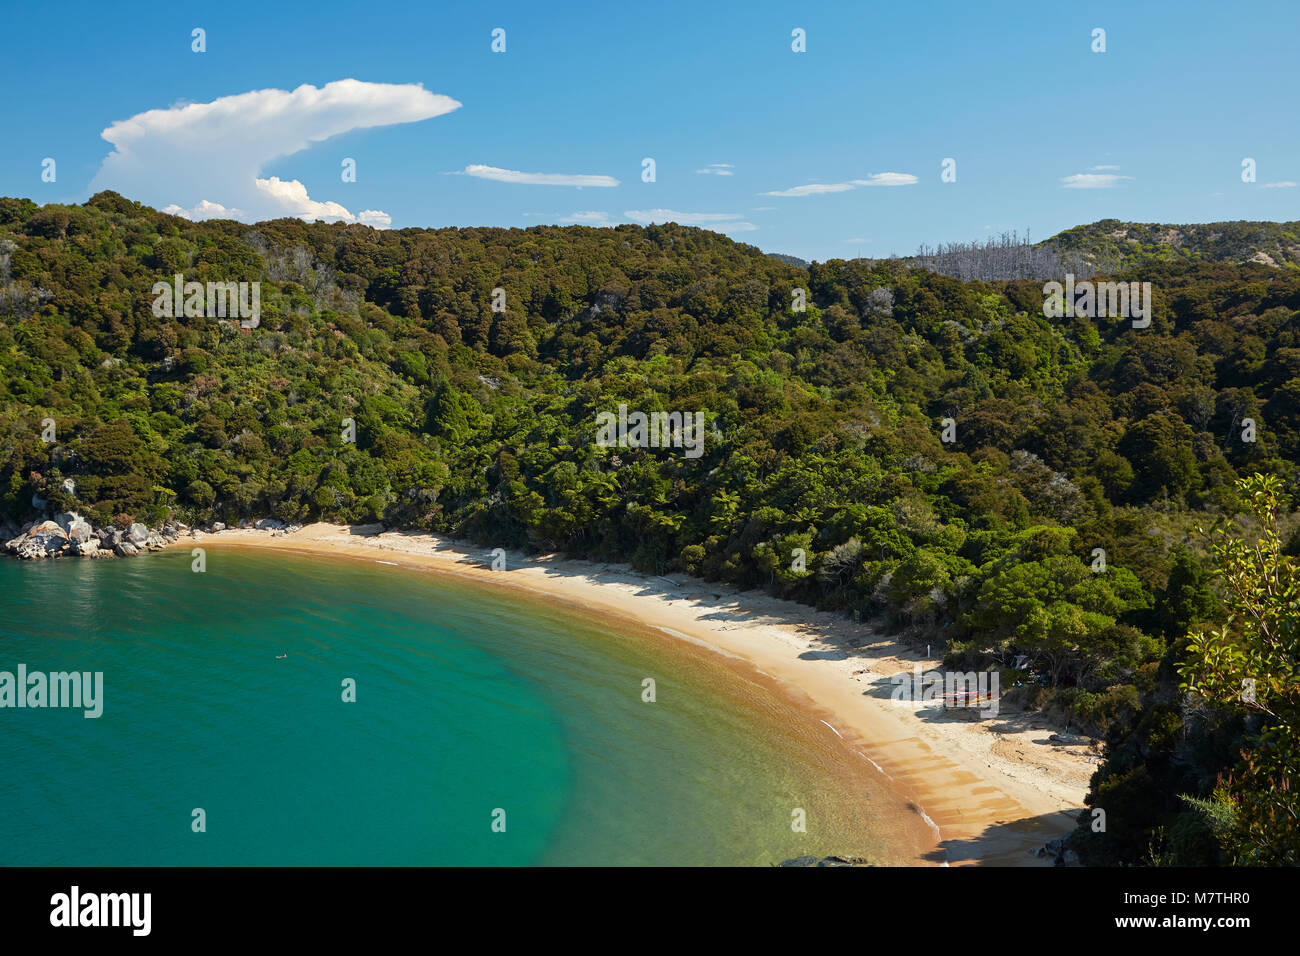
223,691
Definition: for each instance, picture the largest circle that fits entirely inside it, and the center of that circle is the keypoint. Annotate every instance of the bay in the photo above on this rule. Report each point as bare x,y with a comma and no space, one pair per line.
223,691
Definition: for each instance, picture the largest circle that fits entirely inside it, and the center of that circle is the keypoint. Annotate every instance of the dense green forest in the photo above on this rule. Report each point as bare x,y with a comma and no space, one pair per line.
1073,437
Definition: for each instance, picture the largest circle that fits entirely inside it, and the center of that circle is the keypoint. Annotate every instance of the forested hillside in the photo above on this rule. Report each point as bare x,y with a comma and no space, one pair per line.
825,434
1110,246
1139,243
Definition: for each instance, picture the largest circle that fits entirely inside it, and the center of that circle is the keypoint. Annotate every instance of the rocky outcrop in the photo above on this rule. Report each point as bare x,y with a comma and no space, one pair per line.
79,531
44,540
277,528
1060,853
88,549
71,535
827,861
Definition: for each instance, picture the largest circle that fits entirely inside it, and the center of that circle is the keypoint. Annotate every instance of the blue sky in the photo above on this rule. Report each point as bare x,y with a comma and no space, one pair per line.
1159,123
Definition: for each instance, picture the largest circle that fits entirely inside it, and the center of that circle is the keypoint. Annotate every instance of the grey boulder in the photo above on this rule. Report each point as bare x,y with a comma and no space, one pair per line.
88,548
45,540
79,530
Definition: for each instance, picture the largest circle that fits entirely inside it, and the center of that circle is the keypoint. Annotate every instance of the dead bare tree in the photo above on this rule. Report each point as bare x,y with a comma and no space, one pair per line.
1005,257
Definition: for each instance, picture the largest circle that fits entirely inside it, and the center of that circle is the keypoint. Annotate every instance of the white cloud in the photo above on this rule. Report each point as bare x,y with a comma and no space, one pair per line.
721,221
537,179
812,189
292,196
1092,181
873,179
191,151
857,242
717,169
1285,184
204,210
886,179
1098,169
672,215
591,218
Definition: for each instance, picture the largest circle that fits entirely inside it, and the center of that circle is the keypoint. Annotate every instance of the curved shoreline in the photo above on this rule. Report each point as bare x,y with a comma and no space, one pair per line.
993,791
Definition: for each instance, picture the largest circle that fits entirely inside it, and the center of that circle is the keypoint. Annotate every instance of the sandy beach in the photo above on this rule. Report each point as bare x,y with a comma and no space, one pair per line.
995,789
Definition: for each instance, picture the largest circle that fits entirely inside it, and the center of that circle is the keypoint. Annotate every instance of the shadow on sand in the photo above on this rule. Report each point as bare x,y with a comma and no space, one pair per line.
1005,843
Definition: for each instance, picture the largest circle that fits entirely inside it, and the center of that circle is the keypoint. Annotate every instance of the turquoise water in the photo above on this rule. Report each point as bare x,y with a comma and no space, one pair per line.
469,700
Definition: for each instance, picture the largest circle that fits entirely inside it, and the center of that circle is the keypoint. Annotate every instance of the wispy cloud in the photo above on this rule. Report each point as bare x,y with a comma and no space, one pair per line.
537,179
717,169
590,218
203,160
886,179
812,189
1285,184
1100,169
721,221
1092,180
873,179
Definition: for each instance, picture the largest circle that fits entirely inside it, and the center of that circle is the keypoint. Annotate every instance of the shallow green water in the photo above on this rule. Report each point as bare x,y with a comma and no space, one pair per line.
470,699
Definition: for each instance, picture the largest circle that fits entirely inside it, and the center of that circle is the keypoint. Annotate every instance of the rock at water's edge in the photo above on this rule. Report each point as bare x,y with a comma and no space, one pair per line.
45,540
